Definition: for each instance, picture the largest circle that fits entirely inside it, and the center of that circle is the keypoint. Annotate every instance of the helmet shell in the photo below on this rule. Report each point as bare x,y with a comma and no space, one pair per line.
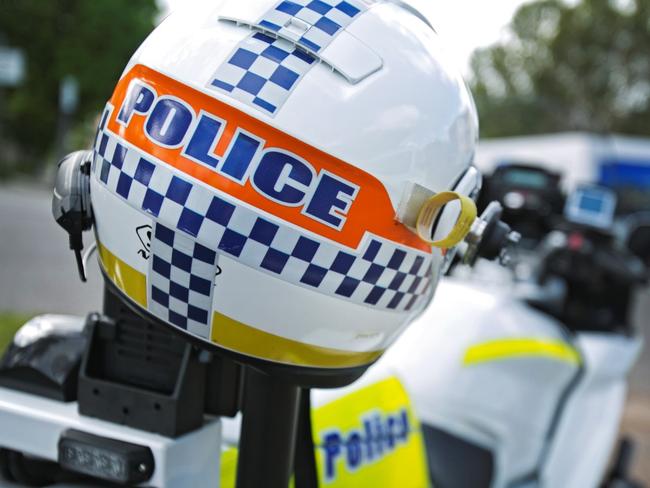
245,183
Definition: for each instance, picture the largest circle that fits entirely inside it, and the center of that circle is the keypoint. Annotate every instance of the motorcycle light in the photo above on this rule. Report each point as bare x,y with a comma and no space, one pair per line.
514,200
107,459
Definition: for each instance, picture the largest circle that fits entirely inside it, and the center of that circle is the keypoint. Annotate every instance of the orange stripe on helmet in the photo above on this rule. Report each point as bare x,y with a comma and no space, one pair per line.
371,211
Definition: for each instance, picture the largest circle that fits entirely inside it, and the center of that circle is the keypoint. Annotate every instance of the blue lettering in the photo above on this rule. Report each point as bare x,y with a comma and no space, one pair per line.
240,156
379,435
139,100
354,457
331,200
405,426
367,425
279,176
332,452
391,432
204,140
169,122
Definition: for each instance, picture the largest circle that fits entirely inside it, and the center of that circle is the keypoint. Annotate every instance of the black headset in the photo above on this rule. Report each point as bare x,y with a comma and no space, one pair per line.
71,205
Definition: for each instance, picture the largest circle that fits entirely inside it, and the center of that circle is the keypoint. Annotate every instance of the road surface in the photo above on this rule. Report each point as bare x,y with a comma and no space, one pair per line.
37,270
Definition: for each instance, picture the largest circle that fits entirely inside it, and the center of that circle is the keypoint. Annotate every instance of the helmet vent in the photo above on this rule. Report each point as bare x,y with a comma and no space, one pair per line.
326,40
296,27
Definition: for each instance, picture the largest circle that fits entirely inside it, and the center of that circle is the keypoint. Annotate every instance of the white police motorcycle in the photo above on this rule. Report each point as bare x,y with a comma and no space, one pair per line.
512,385
111,400
524,384
506,390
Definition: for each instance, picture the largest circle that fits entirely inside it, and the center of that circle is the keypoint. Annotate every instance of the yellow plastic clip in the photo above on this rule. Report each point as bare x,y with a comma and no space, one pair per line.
433,206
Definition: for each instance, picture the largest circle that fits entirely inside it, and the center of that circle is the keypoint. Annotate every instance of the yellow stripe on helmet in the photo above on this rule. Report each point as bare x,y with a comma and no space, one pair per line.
240,337
235,335
132,282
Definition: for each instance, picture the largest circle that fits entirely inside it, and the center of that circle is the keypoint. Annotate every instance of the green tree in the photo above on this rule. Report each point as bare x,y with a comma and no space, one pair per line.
583,67
91,40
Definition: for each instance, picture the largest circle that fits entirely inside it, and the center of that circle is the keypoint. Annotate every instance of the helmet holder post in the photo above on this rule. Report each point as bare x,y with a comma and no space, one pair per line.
121,380
269,431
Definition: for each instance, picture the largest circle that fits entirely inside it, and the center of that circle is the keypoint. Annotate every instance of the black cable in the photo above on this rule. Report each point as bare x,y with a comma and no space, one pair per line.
80,264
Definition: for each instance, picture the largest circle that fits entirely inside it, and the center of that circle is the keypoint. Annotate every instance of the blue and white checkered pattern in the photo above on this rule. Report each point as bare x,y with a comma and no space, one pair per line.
380,274
263,71
322,20
181,278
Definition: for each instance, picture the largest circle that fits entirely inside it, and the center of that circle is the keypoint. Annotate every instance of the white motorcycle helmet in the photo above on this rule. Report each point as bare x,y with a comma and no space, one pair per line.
267,177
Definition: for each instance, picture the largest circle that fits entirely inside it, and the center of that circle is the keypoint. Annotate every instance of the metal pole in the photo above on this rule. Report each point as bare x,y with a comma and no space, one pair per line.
269,430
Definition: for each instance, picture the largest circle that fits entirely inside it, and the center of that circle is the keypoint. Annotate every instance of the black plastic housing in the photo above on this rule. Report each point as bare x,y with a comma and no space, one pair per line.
137,373
108,459
48,367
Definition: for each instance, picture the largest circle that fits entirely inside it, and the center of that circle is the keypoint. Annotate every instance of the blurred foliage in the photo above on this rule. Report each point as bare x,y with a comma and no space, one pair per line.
91,40
9,325
579,67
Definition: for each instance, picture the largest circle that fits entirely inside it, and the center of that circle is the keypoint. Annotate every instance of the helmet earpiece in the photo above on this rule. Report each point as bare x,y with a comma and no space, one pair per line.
71,200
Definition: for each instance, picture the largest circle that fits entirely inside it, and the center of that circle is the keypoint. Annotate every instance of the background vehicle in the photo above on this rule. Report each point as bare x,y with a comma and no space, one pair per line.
530,195
530,386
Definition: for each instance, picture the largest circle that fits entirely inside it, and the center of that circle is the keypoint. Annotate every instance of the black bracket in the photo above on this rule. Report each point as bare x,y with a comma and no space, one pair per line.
140,374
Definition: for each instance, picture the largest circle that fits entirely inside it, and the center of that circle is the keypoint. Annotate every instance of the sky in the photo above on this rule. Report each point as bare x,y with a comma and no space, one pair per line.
466,25
463,24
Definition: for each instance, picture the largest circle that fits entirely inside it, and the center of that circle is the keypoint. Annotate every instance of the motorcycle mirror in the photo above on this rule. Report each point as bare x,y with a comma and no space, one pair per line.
490,237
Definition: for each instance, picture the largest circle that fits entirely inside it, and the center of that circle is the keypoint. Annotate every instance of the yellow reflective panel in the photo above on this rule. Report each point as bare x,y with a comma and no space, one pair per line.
369,438
126,278
521,347
228,468
242,338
